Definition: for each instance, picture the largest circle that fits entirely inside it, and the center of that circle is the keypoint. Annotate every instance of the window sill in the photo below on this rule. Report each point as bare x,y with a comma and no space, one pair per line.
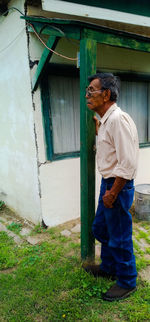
63,156
144,145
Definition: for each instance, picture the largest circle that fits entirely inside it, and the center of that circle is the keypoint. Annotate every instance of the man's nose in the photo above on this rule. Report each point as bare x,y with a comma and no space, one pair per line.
87,95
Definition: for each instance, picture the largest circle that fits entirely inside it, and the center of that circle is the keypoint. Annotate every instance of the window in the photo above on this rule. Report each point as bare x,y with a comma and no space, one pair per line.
61,110
135,100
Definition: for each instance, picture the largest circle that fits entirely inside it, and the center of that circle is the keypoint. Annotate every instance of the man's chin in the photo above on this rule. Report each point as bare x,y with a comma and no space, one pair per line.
90,106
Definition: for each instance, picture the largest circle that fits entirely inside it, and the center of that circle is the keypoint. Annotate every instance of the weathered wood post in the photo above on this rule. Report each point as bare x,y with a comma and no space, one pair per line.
87,153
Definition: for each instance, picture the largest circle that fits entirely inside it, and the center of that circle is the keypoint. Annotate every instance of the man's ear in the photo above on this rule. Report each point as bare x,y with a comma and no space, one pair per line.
107,94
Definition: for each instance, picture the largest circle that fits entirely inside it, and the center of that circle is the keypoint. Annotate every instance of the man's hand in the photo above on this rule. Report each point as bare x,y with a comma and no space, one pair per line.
111,195
108,199
97,124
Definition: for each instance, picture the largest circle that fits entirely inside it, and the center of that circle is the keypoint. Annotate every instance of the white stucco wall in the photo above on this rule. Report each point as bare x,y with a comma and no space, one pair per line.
18,161
143,173
60,186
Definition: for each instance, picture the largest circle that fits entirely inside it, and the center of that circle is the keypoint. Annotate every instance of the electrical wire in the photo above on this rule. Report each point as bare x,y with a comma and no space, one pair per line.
58,54
1,51
3,14
11,8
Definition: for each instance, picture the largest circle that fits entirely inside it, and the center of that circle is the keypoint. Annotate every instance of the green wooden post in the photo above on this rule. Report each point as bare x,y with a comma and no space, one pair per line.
87,154
46,55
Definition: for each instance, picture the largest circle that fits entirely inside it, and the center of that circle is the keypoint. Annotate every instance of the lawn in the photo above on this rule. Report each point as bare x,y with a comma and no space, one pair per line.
46,282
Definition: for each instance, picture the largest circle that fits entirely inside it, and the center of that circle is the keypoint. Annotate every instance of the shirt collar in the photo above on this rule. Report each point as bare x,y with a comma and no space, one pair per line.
107,114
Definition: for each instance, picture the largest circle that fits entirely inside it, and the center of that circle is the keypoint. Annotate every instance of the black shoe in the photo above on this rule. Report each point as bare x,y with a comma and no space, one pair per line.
96,271
116,293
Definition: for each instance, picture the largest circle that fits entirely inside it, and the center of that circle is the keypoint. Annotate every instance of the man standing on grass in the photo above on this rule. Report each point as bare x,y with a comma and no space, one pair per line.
117,154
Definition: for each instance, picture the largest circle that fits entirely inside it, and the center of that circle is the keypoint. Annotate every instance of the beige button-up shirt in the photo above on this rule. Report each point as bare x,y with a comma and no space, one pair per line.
117,145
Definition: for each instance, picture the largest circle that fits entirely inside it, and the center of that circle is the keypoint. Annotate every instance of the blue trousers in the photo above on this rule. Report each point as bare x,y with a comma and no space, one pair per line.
113,228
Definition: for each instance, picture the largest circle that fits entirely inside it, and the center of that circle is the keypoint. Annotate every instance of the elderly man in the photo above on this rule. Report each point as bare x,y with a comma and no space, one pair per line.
117,155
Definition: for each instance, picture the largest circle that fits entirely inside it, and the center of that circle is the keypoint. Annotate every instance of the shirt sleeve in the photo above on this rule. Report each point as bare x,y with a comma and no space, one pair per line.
126,145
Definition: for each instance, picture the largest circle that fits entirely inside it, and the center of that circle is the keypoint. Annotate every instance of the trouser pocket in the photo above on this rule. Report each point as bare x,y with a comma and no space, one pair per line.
126,197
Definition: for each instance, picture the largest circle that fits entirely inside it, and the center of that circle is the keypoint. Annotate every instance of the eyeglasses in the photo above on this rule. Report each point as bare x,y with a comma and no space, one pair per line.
90,93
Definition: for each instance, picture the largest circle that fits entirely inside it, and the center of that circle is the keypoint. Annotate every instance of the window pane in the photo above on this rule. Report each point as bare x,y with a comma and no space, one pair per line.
134,100
65,111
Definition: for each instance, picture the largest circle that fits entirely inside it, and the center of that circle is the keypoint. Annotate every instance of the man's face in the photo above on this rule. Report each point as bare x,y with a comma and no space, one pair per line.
95,98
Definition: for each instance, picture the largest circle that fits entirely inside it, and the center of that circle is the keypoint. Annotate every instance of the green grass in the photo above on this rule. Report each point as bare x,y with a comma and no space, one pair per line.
49,284
142,234
38,229
7,252
137,248
148,250
15,227
145,224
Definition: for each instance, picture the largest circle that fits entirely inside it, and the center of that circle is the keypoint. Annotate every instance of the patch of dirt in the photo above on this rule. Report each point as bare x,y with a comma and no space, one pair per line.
7,215
8,270
41,237
69,224
145,274
147,256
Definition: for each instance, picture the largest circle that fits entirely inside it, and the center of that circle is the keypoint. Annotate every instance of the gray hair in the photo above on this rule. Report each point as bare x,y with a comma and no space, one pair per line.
108,81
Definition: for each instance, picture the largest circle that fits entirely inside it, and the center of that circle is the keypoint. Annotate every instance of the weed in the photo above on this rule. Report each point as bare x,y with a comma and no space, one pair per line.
148,250
137,248
146,225
7,252
15,227
38,229
141,263
143,234
2,205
